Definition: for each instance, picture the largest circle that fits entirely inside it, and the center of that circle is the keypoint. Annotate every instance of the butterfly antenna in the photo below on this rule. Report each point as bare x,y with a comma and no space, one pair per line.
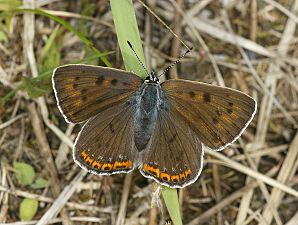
130,45
174,63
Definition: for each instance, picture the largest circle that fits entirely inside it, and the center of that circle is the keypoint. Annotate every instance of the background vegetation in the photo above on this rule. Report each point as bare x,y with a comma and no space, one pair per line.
249,45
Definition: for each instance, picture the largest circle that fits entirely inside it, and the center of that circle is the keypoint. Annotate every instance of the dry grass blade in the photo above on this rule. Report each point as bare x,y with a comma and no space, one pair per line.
47,158
250,46
61,200
285,174
237,166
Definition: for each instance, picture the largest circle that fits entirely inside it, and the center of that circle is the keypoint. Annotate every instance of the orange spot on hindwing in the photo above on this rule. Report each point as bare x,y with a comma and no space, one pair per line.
105,166
175,178
97,165
122,165
166,177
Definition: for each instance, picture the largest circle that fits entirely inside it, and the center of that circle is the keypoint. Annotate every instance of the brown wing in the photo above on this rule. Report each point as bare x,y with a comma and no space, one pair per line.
105,145
217,115
83,91
174,157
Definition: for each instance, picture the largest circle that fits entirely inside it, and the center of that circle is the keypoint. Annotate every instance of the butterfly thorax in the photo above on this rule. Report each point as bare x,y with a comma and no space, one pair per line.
149,100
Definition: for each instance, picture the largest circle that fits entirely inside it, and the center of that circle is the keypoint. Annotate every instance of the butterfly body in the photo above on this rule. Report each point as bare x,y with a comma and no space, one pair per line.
159,128
150,100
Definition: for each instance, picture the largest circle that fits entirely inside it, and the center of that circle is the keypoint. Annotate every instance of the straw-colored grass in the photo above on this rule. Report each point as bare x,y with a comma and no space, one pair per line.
247,45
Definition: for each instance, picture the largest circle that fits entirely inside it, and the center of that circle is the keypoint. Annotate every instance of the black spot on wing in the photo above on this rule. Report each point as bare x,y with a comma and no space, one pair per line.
114,82
172,139
100,80
111,127
206,97
192,94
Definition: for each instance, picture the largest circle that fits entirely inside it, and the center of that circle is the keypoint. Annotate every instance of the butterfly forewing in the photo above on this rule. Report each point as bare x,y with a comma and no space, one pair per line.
83,91
217,115
174,157
105,144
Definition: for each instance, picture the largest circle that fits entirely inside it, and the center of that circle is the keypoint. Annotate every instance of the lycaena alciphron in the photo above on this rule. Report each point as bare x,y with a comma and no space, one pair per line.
158,127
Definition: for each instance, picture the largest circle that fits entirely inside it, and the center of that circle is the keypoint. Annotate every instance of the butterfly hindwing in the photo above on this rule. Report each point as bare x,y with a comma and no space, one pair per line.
217,115
105,145
83,91
174,157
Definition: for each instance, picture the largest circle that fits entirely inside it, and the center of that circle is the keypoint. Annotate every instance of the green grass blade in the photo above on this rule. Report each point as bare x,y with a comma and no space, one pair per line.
127,30
66,25
170,198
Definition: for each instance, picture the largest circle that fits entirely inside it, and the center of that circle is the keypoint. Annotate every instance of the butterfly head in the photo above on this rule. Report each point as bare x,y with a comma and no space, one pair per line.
152,78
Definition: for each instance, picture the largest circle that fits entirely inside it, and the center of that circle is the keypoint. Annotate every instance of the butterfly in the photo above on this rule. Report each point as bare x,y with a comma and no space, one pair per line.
156,127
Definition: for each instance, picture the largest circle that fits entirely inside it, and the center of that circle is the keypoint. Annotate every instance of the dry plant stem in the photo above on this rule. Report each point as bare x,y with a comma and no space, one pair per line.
176,45
227,201
28,37
198,7
197,35
41,3
108,197
216,182
293,220
136,215
58,221
255,74
41,198
208,28
47,157
241,168
291,15
289,33
123,204
283,177
252,216
63,150
4,80
3,196
253,23
152,216
19,149
262,152
265,192
266,110
163,23
11,121
262,128
61,200
79,16
49,124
